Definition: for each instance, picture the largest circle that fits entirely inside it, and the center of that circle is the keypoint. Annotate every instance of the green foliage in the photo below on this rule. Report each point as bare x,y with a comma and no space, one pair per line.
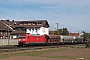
49,32
36,53
87,38
5,55
63,31
57,33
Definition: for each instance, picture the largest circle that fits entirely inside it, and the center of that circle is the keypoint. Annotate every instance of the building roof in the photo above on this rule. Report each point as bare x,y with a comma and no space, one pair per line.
11,25
32,24
27,24
4,27
73,34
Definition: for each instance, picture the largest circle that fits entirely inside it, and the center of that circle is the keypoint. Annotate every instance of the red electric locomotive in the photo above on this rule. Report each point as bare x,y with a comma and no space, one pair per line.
27,39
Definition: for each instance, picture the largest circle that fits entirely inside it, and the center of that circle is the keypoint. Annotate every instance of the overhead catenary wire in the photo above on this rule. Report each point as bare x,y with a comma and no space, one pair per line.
61,26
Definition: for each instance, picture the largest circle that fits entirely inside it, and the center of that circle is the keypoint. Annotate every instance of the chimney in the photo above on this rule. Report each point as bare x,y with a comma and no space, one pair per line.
12,20
7,20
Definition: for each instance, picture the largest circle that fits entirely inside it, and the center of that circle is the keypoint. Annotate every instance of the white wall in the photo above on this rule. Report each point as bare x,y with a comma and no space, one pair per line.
11,41
33,31
44,30
40,31
13,36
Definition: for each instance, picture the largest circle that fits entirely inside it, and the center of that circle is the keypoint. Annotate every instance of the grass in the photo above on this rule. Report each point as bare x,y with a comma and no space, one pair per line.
38,52
6,46
4,56
29,53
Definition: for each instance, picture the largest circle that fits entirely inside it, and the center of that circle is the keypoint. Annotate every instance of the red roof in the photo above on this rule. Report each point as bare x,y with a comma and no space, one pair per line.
73,34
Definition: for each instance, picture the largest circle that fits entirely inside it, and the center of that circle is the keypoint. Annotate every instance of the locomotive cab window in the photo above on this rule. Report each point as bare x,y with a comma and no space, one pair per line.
21,36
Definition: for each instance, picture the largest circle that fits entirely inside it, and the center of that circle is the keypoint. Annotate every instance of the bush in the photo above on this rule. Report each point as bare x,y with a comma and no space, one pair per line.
88,44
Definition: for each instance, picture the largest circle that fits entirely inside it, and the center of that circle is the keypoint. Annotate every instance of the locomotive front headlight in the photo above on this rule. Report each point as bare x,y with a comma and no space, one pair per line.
23,39
19,40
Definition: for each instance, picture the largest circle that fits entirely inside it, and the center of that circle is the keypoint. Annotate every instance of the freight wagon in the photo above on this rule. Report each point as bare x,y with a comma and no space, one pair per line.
67,39
79,39
53,39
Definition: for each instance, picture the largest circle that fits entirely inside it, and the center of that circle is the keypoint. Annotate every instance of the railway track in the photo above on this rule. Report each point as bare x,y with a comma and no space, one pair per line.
15,49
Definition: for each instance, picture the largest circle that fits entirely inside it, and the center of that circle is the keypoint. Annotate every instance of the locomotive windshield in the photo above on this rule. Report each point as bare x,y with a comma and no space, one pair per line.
21,37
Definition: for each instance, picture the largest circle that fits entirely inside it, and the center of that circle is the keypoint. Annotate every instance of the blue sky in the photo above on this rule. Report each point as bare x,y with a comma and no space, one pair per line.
72,14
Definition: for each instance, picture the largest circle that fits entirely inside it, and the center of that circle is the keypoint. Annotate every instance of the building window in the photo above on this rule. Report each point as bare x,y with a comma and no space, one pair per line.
29,23
33,24
1,32
21,24
36,30
33,29
30,29
25,23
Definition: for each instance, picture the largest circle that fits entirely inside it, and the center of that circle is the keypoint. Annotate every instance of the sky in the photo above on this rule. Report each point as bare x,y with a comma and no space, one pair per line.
71,14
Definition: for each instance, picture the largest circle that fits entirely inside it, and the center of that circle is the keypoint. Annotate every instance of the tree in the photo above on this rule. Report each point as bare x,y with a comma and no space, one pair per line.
87,38
63,31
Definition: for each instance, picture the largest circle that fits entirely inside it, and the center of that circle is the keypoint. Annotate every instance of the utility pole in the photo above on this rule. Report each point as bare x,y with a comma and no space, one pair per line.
58,37
8,36
57,29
